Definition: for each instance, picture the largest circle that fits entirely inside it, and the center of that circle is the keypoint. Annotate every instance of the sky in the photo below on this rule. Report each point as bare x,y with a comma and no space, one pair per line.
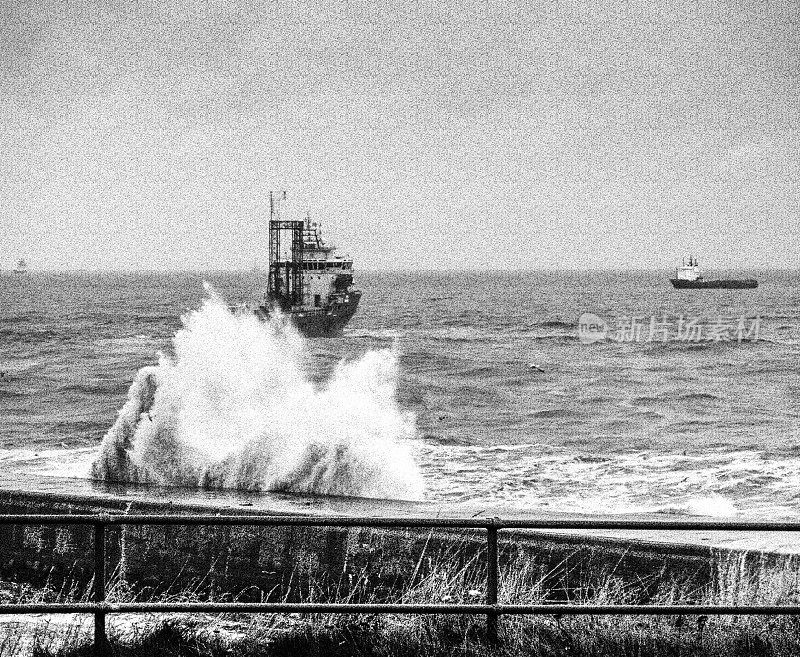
442,135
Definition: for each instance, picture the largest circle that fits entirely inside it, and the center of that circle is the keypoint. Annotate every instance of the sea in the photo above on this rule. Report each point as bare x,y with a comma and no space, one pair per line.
595,392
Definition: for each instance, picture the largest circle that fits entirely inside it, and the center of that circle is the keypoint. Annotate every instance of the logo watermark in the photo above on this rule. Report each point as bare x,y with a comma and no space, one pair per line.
668,328
591,328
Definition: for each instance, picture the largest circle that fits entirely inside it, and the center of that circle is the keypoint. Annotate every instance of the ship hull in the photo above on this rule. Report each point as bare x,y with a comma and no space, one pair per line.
322,322
730,284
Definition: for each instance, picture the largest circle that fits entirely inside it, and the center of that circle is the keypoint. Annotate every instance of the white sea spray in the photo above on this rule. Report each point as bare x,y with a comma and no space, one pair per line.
234,407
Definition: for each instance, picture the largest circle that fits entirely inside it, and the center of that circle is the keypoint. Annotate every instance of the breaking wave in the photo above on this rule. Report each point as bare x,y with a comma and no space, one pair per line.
554,323
234,408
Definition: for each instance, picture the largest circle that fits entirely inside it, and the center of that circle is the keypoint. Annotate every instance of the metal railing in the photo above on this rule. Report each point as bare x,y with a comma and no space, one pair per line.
491,608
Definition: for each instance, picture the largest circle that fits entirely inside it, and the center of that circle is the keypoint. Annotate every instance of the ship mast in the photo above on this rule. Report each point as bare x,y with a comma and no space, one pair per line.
285,286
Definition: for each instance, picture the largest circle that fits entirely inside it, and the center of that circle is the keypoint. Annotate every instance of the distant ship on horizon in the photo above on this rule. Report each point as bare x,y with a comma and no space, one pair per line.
22,267
688,277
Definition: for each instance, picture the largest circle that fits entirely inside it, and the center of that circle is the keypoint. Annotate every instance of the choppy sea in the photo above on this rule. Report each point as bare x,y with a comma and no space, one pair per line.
465,387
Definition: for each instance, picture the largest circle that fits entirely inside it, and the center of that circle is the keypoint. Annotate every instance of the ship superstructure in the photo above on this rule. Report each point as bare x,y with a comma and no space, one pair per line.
306,281
688,272
22,267
688,276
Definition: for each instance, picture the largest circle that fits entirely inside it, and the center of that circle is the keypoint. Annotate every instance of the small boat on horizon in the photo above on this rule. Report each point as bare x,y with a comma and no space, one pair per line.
688,277
22,267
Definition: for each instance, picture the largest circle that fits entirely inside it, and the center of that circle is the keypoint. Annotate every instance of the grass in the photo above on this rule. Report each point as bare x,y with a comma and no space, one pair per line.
736,581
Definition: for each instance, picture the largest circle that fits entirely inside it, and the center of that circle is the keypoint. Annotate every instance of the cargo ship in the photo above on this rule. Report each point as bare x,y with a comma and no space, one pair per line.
309,284
688,277
21,268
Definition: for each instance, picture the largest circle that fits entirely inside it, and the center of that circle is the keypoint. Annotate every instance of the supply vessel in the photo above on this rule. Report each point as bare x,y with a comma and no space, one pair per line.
688,276
307,282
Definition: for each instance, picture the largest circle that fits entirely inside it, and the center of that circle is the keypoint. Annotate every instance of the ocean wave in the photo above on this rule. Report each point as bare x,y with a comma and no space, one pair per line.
647,399
167,317
555,323
711,483
775,341
445,441
697,396
82,427
676,344
99,388
480,370
28,334
14,319
482,392
465,335
708,506
5,393
549,413
556,337
379,334
234,409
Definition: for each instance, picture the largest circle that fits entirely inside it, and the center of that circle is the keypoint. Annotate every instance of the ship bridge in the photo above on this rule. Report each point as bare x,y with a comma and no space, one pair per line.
317,253
688,272
304,275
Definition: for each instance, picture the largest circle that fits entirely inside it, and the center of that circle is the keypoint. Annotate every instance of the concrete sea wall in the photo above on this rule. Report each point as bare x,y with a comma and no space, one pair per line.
252,563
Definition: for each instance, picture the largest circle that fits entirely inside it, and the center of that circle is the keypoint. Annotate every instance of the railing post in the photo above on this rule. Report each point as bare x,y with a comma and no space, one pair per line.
99,592
492,576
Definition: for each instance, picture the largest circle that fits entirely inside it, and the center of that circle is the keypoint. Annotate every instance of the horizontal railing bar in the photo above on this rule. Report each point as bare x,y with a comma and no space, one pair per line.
652,610
243,607
666,525
333,608
266,521
351,521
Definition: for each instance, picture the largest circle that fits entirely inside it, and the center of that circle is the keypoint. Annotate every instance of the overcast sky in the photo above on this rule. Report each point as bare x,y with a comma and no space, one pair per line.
444,135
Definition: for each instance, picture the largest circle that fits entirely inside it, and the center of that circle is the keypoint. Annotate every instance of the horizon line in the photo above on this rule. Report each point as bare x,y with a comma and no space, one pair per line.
389,270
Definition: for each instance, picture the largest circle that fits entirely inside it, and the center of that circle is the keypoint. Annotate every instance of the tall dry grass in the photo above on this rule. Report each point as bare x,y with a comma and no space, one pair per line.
738,579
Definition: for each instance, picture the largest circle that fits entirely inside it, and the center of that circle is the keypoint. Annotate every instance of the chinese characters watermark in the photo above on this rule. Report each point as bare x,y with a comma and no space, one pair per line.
668,328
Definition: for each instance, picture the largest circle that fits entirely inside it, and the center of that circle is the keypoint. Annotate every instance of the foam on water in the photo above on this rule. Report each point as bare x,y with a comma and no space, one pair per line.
530,477
715,506
235,408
